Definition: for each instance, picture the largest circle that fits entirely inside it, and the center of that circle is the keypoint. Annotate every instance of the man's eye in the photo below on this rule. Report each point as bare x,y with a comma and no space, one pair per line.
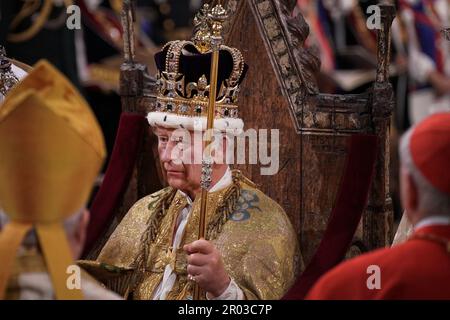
163,139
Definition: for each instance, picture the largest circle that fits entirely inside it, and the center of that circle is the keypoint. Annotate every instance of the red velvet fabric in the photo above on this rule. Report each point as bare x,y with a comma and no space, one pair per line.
344,219
417,269
117,178
430,150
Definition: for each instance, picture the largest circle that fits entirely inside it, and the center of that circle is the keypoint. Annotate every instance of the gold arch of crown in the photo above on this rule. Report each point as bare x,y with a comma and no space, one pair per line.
192,100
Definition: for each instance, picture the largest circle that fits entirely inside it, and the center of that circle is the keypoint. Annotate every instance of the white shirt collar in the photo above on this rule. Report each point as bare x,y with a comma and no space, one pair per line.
223,182
433,221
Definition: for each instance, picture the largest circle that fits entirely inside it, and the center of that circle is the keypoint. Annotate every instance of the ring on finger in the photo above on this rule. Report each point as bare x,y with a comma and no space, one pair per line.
191,278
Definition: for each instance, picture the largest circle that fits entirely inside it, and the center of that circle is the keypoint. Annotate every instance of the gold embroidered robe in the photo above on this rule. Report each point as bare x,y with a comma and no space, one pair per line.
257,242
30,280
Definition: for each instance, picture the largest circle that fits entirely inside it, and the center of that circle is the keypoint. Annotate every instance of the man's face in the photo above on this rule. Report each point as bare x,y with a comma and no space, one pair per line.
176,152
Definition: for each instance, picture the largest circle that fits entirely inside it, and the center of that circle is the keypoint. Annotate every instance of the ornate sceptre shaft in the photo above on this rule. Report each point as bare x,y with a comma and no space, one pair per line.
215,20
128,19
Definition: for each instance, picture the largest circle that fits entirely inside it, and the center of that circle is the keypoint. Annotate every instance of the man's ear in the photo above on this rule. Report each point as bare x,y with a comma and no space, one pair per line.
225,149
413,193
221,152
78,237
409,194
81,231
217,151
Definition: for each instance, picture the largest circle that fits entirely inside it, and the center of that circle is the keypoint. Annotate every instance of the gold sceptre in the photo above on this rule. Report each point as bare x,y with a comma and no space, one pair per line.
208,37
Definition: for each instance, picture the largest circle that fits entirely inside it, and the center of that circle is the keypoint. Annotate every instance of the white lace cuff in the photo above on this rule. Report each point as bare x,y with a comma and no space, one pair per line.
233,292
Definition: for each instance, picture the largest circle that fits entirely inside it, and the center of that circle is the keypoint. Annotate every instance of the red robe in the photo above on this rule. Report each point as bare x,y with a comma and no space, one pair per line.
416,269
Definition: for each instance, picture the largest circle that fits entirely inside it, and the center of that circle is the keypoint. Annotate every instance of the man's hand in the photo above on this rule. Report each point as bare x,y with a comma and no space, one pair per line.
206,266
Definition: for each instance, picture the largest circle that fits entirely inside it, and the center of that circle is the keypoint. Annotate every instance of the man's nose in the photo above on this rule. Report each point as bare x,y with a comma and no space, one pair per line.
166,152
171,153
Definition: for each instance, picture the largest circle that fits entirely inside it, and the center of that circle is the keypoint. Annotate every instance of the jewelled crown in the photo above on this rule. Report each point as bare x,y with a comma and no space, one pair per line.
184,72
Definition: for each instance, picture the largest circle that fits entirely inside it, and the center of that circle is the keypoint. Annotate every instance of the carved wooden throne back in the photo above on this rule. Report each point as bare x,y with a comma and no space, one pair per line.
280,92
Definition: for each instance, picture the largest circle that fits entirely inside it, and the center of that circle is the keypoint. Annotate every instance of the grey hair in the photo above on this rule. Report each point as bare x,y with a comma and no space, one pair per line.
431,200
70,226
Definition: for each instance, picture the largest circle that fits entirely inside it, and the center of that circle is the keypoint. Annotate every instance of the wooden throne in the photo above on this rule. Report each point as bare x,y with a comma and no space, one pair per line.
280,92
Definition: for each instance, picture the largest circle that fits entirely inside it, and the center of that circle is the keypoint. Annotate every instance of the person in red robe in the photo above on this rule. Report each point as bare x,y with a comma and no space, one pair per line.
420,267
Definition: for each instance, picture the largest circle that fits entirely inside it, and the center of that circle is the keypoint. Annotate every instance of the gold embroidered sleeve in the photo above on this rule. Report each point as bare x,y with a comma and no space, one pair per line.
259,247
269,268
114,266
124,245
114,278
